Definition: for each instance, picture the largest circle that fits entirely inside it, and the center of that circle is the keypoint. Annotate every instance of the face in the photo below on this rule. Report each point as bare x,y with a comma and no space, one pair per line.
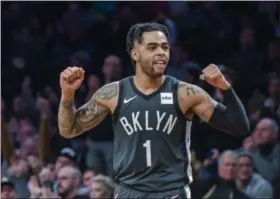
28,146
66,183
97,191
245,168
7,192
228,168
263,133
33,162
112,68
152,55
88,178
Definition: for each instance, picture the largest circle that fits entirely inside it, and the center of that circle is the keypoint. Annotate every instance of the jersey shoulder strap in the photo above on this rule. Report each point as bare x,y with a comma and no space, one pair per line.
122,83
174,86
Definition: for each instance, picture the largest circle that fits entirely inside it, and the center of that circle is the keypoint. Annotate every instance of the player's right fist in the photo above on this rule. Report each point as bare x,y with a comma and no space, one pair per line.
70,80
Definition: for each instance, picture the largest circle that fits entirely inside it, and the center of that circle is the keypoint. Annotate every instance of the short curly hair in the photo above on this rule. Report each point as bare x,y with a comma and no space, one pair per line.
136,31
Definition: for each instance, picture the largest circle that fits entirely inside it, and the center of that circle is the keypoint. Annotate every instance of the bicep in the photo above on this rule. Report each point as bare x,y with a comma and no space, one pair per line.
91,114
205,105
94,111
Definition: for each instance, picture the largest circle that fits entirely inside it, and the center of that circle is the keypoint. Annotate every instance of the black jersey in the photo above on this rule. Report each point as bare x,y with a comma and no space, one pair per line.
150,151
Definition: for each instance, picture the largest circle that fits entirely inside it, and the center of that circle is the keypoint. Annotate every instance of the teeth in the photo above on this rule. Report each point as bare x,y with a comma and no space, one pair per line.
160,62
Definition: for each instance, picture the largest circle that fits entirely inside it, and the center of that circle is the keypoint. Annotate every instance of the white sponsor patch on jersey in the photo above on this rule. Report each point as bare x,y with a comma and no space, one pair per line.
166,98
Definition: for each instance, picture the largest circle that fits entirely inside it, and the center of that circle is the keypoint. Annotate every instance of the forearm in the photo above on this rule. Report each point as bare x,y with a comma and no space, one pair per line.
68,127
230,117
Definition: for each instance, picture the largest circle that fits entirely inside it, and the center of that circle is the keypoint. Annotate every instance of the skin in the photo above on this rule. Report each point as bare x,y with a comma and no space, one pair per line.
148,78
228,168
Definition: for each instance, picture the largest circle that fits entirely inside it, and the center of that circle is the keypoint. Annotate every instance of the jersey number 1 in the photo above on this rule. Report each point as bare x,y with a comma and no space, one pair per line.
147,145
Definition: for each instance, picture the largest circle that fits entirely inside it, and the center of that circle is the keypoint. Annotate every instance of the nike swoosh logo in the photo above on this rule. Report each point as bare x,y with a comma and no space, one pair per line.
128,100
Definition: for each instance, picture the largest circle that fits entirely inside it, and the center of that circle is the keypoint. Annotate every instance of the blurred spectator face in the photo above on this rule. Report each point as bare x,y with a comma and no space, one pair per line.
245,168
62,162
28,146
18,104
7,191
264,133
88,178
274,87
247,37
97,191
102,187
112,68
227,168
67,183
93,82
34,163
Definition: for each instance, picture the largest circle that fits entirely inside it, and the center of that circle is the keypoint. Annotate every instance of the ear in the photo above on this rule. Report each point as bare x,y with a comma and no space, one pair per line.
134,54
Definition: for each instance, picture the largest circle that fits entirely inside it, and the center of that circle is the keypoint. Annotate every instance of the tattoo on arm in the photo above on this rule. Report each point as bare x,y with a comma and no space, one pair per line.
74,122
190,90
205,105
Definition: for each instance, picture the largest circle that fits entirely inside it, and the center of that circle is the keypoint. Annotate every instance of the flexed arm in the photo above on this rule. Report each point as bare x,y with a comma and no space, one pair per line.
229,117
74,122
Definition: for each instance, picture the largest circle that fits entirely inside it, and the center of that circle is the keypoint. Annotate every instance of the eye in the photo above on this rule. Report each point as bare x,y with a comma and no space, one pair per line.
152,47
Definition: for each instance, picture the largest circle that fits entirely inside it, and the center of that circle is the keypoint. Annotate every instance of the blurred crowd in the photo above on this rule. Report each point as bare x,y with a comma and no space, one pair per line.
40,39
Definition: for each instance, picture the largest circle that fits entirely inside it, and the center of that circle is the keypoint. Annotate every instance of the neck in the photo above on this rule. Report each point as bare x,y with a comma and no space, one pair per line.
144,81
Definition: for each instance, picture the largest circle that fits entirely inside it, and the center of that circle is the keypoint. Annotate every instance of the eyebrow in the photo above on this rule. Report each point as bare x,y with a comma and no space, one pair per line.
155,43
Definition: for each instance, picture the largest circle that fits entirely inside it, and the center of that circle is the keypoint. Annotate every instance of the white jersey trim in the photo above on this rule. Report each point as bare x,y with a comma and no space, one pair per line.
188,149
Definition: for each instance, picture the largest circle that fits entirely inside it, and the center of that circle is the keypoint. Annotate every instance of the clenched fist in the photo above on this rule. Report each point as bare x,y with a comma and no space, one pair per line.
70,80
214,76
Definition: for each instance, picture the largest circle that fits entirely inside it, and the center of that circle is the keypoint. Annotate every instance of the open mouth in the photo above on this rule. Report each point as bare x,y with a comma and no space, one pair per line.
160,64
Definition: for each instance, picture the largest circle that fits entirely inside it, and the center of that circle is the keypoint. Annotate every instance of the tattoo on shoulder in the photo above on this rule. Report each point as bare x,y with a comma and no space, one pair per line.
108,91
191,90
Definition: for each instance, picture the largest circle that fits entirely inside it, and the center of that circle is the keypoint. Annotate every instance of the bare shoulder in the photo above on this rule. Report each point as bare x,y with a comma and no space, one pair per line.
107,95
187,90
108,91
190,95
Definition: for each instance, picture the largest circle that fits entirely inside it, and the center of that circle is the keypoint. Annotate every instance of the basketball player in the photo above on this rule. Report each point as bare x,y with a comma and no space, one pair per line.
149,116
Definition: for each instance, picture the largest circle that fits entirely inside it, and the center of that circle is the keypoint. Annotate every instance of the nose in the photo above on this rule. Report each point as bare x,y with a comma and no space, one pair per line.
160,51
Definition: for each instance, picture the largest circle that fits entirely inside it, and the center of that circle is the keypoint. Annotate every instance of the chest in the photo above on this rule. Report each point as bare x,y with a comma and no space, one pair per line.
155,114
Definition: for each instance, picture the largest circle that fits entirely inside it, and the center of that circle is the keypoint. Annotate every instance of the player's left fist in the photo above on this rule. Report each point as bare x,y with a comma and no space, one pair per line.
213,75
